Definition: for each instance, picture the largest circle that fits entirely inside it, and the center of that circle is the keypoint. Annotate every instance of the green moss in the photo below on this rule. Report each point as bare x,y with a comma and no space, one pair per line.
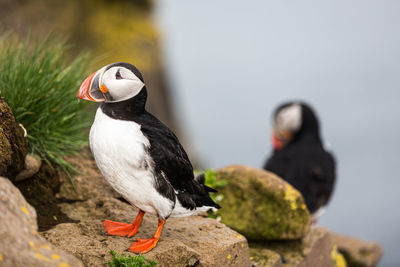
261,206
129,261
265,257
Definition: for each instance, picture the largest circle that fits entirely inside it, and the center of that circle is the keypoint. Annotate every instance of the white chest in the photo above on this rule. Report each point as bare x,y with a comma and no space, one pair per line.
120,150
117,144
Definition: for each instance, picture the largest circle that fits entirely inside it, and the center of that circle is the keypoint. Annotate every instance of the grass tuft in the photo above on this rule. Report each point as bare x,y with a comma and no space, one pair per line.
129,261
40,84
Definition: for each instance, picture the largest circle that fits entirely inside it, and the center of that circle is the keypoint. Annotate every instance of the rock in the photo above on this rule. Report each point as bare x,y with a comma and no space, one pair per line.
31,167
314,249
13,144
20,244
265,257
261,206
184,241
89,183
39,191
357,252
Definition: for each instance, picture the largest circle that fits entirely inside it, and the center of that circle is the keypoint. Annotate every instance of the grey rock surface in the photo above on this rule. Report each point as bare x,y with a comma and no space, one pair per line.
20,243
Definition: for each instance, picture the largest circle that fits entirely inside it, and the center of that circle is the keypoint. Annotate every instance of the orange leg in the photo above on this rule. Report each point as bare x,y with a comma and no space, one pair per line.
123,229
145,245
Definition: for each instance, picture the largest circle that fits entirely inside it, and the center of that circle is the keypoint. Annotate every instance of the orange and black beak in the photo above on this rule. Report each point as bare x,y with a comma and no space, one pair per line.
92,89
280,138
276,142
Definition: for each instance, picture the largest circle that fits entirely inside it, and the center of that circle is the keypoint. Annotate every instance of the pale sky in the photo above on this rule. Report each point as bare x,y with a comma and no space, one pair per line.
232,62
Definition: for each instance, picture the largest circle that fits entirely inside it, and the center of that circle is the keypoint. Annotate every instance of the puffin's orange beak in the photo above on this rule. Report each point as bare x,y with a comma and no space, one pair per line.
276,142
281,138
92,89
84,90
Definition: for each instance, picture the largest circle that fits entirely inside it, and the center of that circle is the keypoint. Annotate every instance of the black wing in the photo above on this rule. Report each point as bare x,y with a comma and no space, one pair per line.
310,170
322,181
173,164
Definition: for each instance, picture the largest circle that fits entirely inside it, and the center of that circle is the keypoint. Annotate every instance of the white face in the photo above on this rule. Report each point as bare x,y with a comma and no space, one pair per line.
114,84
121,83
289,118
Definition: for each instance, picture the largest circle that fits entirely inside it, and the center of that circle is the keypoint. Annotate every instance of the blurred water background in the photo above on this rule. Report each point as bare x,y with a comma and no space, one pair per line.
232,62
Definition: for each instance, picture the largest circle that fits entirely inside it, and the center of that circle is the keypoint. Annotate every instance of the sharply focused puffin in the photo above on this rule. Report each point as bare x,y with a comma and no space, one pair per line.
299,156
138,155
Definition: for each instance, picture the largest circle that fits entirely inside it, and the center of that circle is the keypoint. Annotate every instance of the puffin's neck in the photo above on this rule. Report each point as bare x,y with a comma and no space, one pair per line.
309,130
309,136
128,109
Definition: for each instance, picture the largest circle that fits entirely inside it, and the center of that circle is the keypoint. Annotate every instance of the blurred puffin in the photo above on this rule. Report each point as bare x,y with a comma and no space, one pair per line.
138,155
299,156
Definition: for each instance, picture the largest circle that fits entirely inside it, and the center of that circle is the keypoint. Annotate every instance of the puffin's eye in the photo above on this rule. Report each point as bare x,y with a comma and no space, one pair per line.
118,75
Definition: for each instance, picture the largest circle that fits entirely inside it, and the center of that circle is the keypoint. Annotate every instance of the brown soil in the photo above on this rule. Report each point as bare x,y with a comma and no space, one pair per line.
40,191
13,144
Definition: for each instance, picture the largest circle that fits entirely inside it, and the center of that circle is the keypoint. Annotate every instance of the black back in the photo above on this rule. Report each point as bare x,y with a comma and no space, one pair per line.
173,170
305,164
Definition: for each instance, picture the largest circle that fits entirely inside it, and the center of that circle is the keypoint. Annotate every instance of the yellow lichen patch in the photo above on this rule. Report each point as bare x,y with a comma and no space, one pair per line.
32,244
340,260
46,247
63,264
337,258
41,257
55,256
1,257
291,196
239,236
251,258
303,207
229,256
242,245
25,210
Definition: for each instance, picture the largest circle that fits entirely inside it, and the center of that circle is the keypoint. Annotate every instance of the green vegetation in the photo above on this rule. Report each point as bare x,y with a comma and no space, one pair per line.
129,261
40,84
211,181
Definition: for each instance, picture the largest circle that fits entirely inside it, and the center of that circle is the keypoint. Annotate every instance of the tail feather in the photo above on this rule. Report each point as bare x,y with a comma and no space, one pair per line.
206,199
209,189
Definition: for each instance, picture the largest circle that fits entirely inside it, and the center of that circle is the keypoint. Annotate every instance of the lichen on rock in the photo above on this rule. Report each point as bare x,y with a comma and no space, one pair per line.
314,249
262,206
358,253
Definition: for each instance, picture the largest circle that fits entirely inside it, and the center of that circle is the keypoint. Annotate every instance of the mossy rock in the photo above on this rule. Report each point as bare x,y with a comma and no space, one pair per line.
315,249
13,144
262,206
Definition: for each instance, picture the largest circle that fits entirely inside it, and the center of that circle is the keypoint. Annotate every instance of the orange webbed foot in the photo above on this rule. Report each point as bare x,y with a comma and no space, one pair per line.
120,229
123,229
145,245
